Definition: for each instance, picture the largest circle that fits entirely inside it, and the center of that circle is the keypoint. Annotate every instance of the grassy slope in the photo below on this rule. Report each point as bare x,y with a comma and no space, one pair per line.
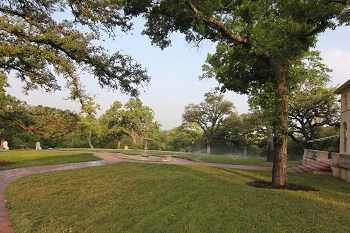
228,159
24,158
131,197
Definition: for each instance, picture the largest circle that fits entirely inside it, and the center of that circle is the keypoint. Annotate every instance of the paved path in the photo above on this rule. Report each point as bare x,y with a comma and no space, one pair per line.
9,175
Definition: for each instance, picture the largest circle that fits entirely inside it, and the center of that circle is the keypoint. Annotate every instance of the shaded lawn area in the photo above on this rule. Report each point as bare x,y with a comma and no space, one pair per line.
231,159
139,197
22,158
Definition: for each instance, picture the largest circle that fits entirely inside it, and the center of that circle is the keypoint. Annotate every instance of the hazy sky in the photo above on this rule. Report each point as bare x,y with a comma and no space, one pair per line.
174,75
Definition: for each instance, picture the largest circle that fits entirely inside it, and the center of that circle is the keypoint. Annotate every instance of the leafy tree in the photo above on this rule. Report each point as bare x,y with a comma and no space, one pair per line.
51,123
312,107
43,122
138,118
112,123
88,117
184,137
243,130
209,115
35,44
258,41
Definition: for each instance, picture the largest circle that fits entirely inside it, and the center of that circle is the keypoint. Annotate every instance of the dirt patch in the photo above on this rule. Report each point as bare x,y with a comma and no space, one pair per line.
289,186
5,162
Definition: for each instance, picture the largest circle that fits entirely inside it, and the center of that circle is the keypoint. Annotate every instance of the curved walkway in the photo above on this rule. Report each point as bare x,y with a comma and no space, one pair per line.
9,175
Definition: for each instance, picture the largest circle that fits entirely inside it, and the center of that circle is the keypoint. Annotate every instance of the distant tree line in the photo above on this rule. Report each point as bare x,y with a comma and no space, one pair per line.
211,126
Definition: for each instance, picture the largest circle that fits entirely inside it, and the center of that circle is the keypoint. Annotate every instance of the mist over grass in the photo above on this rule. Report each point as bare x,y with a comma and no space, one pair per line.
235,159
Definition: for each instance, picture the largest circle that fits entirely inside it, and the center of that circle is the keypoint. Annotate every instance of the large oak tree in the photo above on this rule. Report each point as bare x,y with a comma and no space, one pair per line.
209,115
258,41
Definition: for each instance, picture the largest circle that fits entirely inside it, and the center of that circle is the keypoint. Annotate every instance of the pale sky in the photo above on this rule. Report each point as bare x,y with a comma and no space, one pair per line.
174,75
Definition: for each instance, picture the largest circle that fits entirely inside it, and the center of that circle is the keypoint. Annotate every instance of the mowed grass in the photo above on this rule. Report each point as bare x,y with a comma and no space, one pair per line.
231,159
139,197
22,158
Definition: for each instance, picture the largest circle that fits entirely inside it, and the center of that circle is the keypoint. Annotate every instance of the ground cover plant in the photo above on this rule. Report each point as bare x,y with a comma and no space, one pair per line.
25,158
139,197
232,159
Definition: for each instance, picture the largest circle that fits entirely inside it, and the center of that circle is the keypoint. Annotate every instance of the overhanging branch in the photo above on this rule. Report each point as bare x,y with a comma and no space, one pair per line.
219,26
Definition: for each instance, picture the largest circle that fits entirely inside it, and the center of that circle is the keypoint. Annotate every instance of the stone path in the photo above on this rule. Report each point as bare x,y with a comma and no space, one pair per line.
9,175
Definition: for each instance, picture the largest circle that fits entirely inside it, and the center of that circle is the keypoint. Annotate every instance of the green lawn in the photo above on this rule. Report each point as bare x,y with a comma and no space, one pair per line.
23,158
230,159
139,197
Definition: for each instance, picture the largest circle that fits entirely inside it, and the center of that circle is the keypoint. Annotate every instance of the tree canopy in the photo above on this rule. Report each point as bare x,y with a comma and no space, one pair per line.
258,41
36,45
209,115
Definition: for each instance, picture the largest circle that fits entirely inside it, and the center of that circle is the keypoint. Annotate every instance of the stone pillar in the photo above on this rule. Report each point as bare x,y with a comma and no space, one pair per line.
322,156
344,163
335,165
5,145
37,146
305,156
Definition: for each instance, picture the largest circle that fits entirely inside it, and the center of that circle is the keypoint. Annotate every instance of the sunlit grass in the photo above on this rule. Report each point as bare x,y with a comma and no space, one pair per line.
138,197
24,158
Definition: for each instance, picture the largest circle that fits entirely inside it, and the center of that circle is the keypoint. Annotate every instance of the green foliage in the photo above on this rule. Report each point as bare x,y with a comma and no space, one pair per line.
139,120
36,46
258,42
112,123
209,115
312,109
184,137
45,124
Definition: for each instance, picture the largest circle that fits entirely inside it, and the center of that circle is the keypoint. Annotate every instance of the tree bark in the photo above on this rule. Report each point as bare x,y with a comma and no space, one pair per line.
89,140
270,145
133,136
208,147
118,144
279,170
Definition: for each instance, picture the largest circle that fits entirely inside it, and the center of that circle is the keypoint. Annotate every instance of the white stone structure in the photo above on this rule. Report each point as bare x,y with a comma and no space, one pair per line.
5,145
37,146
341,160
313,156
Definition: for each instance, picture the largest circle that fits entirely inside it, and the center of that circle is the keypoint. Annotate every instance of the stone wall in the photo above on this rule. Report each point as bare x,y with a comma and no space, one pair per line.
341,166
313,156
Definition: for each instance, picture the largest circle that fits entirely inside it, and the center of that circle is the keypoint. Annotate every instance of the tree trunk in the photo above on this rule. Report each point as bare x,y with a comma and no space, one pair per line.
270,145
119,144
208,147
89,140
279,170
133,136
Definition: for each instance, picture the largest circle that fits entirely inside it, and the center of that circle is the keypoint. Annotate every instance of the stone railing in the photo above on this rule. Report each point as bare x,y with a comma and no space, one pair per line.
341,166
313,156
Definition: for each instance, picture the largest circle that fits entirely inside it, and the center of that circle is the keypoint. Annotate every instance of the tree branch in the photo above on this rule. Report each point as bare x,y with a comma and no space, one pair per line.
219,25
